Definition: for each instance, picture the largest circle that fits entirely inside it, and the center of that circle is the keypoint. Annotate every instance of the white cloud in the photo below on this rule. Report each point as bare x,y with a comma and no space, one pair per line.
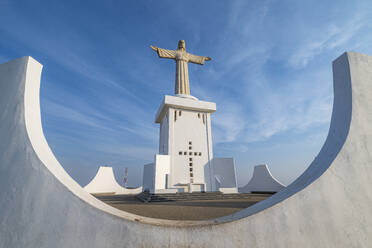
324,39
304,103
260,106
228,122
83,116
126,152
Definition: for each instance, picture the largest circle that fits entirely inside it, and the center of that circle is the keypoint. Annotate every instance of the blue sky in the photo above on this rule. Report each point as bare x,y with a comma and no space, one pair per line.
270,75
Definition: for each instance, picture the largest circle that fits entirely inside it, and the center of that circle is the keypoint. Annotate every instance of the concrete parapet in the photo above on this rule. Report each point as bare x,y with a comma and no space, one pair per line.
329,205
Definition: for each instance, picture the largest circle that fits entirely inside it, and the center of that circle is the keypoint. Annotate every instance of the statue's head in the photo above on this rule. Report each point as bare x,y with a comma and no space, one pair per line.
181,45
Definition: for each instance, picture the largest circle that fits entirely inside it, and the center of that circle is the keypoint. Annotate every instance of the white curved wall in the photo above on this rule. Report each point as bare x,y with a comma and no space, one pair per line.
328,206
262,181
225,175
104,182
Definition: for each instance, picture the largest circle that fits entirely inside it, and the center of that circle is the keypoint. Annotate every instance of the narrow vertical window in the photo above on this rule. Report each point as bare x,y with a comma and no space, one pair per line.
175,115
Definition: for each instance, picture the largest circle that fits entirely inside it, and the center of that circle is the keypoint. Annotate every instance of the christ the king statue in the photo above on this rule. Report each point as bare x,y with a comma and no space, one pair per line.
181,57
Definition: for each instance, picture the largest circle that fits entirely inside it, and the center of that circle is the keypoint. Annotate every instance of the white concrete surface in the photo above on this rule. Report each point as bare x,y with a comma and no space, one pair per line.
186,96
104,182
329,205
262,181
185,141
229,190
161,173
183,103
148,177
225,175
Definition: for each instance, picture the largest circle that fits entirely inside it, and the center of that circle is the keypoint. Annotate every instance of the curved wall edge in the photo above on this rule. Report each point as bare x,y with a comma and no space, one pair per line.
327,206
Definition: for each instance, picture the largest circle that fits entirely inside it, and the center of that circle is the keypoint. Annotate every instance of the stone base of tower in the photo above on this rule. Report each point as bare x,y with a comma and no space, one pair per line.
185,161
156,177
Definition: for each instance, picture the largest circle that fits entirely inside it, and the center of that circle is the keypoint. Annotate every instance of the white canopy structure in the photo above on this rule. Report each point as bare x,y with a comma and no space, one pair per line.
105,183
262,181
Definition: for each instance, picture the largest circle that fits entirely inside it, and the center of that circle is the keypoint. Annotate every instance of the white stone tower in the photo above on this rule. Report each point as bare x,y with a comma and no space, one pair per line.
185,136
185,161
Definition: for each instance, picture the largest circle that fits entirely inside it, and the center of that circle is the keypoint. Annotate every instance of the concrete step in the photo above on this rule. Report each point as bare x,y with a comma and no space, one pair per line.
196,196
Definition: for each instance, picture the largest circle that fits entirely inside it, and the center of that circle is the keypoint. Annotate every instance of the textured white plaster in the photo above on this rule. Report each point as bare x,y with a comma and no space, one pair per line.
329,205
148,177
262,181
104,182
162,169
187,96
228,190
225,175
185,138
183,103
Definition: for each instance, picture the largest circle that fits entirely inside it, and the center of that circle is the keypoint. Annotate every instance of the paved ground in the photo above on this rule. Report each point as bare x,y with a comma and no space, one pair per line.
178,210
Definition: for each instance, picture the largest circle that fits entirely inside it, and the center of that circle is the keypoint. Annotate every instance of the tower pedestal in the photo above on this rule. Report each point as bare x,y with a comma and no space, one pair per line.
185,159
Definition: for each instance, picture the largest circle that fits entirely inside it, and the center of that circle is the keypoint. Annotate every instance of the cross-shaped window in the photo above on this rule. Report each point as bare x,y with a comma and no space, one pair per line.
191,154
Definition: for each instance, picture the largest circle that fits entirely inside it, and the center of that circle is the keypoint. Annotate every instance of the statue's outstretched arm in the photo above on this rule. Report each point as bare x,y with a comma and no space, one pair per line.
198,59
164,53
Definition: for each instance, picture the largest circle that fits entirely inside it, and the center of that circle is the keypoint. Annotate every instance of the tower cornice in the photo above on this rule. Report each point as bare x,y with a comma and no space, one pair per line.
185,104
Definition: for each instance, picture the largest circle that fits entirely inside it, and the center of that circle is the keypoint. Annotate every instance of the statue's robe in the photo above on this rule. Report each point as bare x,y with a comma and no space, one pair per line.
182,84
